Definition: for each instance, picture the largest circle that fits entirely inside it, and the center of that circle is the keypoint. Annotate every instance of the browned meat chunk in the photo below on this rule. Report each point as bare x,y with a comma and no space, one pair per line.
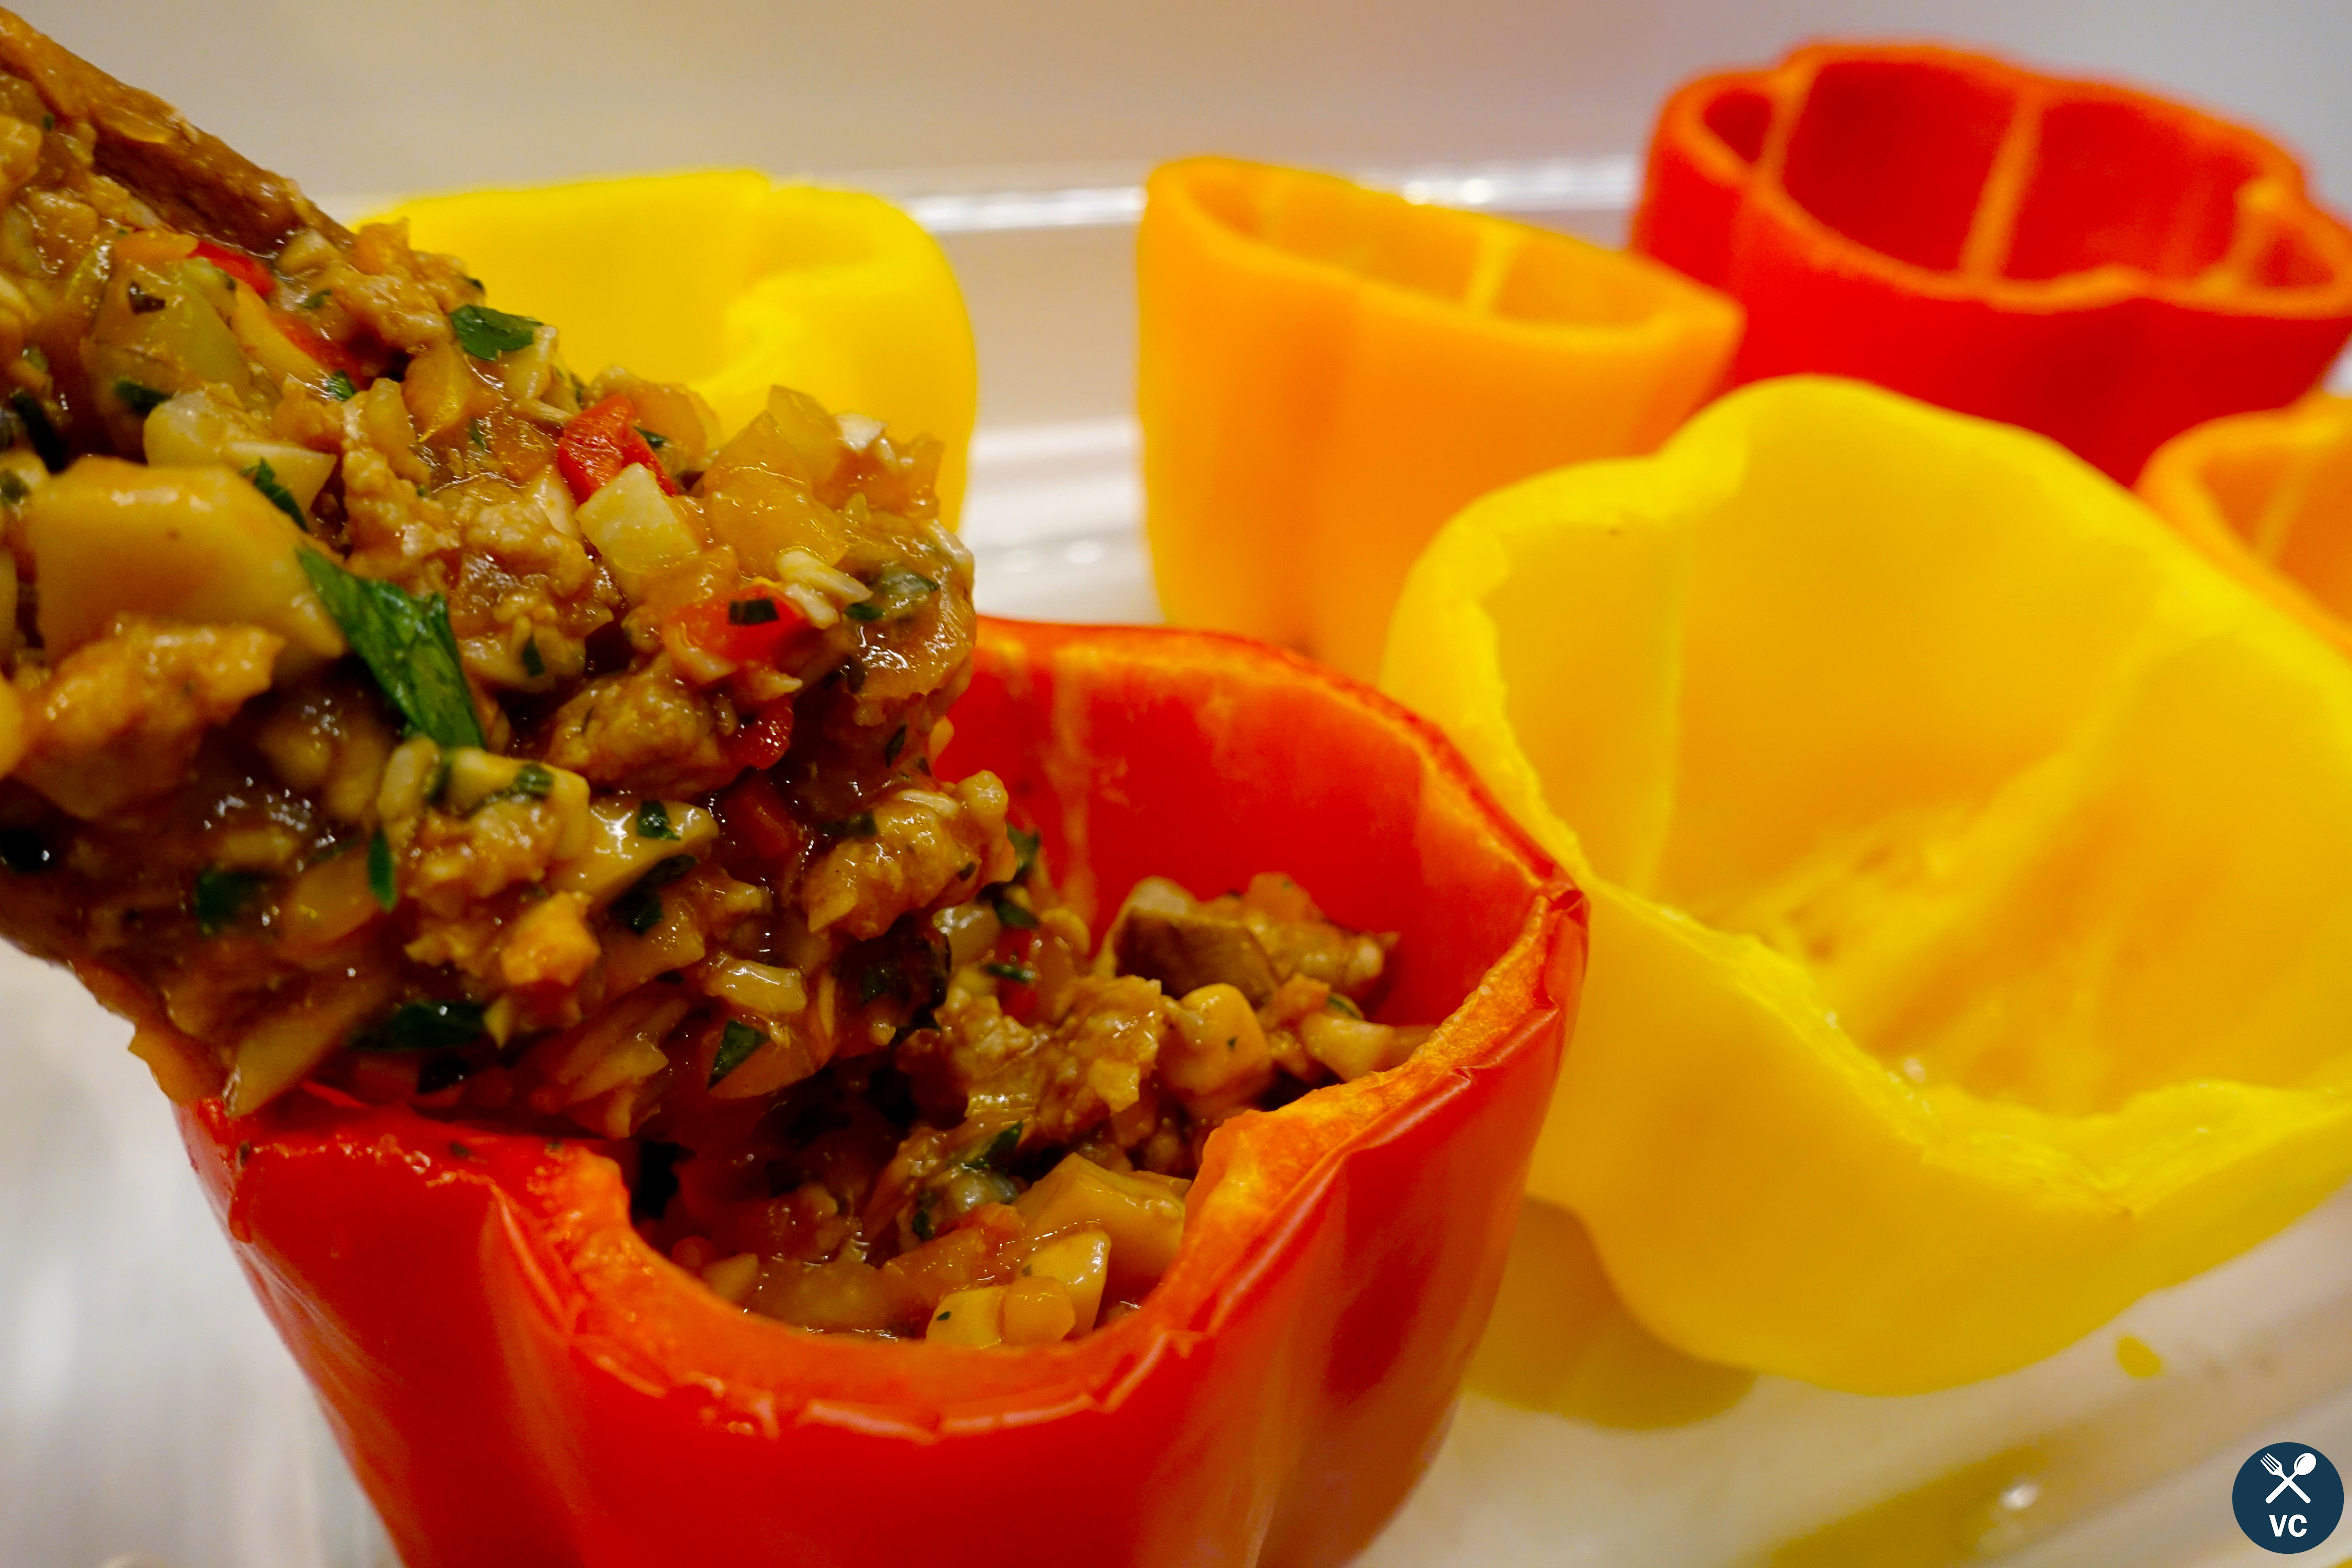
118,722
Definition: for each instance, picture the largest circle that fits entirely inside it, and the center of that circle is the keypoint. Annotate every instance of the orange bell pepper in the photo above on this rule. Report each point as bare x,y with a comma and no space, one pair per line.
2097,264
517,1378
1328,374
2269,497
1971,878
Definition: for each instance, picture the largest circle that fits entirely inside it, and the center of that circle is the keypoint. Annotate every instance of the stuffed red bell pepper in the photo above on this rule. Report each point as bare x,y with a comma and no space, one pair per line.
2101,265
520,1379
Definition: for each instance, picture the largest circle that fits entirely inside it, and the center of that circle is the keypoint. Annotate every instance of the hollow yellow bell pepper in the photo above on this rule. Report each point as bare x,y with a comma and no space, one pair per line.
733,284
2268,496
1971,868
1327,373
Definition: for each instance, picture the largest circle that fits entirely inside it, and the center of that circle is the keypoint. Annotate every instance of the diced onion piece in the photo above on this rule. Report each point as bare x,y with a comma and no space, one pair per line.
189,332
443,392
196,430
1349,1047
618,1045
674,944
185,1070
525,372
192,429
326,903
933,800
258,336
969,1317
569,800
303,471
615,855
280,1051
761,988
408,778
816,590
636,1061
798,568
475,775
1143,1215
971,929
812,434
759,501
786,1058
378,416
553,497
635,527
191,544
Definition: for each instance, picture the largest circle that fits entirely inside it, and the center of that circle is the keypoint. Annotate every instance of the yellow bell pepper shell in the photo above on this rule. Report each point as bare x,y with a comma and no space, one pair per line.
1328,374
2269,497
733,284
1971,868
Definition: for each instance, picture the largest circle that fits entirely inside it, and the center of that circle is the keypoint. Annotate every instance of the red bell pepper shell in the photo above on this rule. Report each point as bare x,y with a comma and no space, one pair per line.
2103,266
518,1379
598,442
251,271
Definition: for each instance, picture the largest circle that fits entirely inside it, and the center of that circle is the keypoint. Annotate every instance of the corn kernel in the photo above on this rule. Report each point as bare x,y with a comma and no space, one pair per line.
1037,1311
969,1317
1079,1261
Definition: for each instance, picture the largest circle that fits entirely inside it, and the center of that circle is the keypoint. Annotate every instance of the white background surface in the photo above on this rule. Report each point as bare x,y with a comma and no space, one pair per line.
372,95
144,1406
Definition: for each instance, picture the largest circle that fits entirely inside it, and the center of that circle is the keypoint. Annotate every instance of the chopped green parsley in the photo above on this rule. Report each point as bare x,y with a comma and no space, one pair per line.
487,333
264,479
406,643
736,1043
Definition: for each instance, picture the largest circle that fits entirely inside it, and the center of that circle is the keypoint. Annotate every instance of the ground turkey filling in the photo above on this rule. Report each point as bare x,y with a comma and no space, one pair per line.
391,712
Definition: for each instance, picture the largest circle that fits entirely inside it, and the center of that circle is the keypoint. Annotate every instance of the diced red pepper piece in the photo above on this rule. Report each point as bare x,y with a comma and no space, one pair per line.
597,443
251,271
749,627
762,742
330,355
755,813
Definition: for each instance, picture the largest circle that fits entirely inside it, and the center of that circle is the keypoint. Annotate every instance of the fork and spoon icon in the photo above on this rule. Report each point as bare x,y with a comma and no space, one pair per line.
2304,1466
